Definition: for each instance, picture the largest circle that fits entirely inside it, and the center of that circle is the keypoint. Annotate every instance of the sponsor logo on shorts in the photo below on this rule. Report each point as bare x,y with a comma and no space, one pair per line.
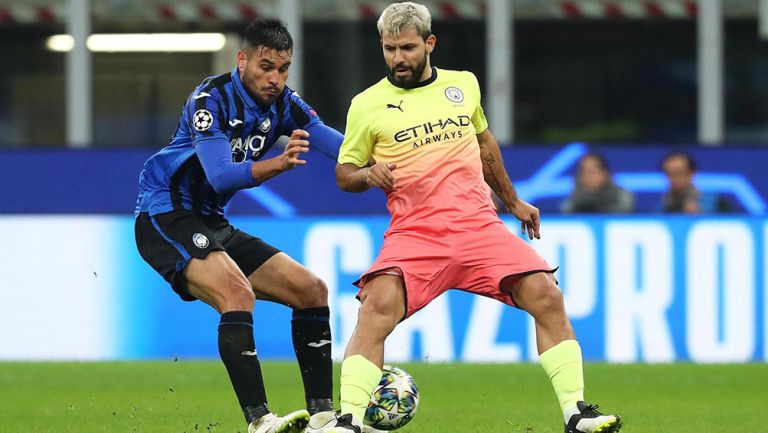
200,240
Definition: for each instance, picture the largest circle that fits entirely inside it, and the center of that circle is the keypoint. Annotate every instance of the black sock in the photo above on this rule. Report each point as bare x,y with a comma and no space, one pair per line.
312,344
238,351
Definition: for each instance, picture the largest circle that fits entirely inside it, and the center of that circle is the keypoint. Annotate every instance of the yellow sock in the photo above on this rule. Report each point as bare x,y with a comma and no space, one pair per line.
359,378
562,363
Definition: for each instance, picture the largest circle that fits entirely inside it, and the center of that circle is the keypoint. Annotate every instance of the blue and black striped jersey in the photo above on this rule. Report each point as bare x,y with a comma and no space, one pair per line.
219,112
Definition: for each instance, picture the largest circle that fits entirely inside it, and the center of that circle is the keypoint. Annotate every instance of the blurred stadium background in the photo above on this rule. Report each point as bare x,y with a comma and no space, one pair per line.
630,79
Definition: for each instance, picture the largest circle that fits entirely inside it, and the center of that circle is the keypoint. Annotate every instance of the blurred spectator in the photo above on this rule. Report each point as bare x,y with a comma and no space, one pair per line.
595,192
683,196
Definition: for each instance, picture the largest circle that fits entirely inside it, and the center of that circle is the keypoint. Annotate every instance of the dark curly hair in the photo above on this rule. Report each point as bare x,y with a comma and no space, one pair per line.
268,33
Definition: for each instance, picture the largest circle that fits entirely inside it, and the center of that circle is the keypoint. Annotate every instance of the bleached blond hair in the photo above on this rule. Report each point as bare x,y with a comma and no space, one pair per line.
398,17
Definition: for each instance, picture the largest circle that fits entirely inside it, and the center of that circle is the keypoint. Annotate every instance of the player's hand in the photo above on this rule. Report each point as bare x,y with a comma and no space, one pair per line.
380,175
296,146
528,216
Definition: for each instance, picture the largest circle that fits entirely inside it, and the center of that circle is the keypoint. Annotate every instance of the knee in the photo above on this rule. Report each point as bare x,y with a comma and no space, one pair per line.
538,294
548,299
552,297
238,294
380,308
376,319
312,293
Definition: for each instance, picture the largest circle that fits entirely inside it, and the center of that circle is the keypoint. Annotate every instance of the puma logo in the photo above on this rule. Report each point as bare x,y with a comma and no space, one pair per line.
398,106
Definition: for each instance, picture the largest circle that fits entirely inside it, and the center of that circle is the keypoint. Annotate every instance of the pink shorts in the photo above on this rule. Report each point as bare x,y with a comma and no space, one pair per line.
474,261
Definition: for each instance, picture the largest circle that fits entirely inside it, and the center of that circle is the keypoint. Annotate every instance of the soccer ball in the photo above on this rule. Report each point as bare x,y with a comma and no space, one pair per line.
394,401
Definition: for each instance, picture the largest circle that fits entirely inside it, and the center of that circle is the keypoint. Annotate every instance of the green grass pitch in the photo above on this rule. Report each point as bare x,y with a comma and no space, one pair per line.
195,396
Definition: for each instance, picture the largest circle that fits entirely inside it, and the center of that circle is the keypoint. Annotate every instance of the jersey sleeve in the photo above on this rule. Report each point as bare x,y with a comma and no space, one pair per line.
358,139
224,175
325,139
206,116
478,115
297,113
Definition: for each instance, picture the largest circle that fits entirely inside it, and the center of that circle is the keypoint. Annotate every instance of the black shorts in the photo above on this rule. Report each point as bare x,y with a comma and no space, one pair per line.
168,241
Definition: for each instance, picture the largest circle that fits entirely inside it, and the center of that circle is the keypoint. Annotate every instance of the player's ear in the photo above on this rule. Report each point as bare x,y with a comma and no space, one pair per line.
431,41
242,60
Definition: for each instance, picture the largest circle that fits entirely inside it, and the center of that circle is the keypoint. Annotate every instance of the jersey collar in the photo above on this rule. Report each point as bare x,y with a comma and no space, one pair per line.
426,82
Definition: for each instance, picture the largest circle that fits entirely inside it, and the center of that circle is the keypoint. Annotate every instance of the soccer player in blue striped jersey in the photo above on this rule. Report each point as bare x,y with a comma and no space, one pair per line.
228,124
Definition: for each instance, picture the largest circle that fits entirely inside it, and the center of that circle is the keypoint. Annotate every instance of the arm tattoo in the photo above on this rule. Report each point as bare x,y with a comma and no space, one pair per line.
490,174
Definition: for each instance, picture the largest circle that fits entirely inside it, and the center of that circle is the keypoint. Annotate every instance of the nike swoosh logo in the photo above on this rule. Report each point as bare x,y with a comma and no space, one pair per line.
320,343
248,353
235,122
201,95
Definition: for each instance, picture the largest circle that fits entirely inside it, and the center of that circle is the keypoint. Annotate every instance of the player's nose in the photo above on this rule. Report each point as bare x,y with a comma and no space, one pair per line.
274,77
399,58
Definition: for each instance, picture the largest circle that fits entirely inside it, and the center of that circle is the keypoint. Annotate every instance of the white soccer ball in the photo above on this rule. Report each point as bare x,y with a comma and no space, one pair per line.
394,401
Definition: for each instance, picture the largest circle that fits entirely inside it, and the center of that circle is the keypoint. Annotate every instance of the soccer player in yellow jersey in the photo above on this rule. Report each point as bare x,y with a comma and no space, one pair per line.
420,135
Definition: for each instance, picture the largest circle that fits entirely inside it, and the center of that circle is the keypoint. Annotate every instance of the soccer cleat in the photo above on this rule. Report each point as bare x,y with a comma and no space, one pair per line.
294,422
320,421
344,424
589,420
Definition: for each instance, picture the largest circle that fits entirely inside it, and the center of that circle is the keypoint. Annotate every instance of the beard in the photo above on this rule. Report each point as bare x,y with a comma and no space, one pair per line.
263,99
416,73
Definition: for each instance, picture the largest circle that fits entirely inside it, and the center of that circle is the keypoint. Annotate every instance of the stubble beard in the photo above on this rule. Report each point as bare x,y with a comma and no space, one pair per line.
250,86
415,77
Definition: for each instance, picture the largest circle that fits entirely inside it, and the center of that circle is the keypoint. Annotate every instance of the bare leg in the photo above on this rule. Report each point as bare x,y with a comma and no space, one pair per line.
382,308
281,279
541,298
218,281
559,352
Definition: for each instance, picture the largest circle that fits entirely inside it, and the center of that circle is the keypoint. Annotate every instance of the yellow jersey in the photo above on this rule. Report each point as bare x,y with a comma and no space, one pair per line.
430,132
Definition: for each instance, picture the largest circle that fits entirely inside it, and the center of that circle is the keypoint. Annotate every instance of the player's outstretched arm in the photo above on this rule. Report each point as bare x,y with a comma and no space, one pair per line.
496,177
325,139
224,175
291,157
352,178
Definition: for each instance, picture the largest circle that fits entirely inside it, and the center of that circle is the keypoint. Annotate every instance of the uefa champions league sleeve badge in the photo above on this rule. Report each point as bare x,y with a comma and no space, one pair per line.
202,120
